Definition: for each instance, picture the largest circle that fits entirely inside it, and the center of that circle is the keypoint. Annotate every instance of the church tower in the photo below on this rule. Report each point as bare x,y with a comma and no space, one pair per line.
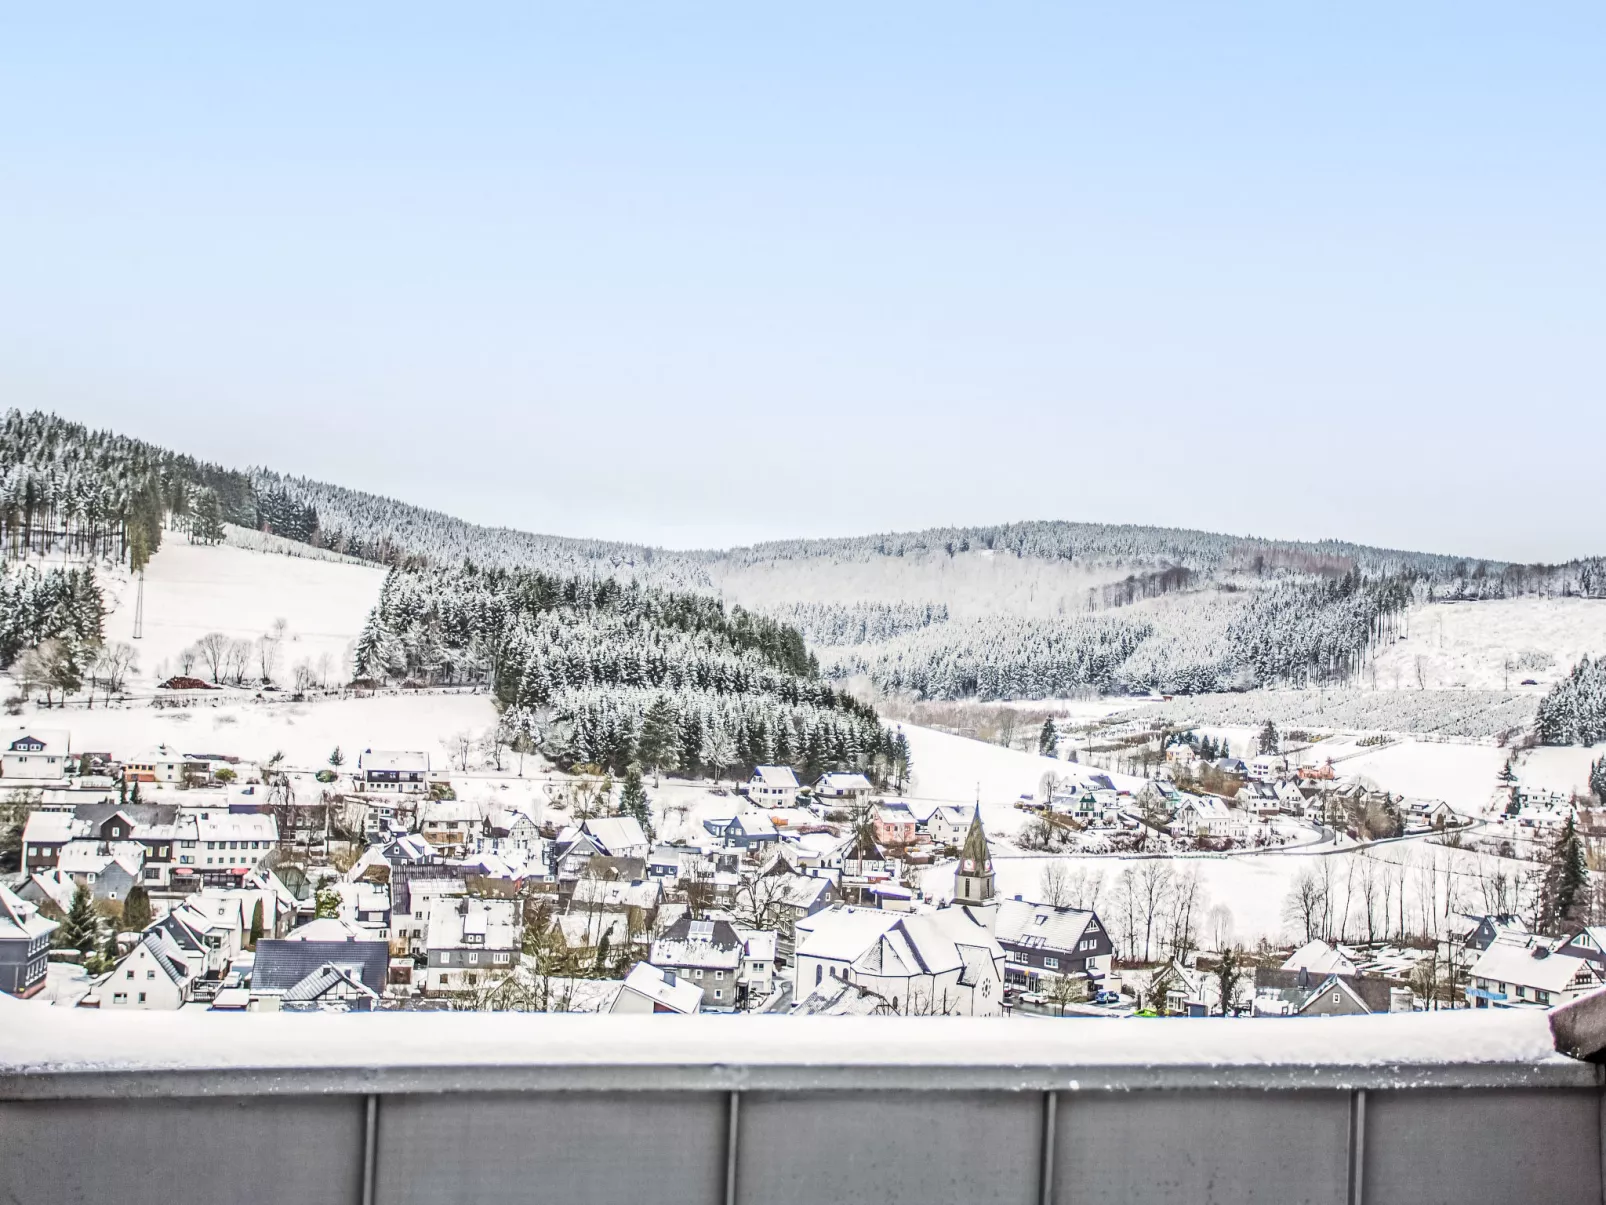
973,882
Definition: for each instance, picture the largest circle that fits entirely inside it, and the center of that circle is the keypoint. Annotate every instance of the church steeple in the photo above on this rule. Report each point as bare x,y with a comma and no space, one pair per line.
973,882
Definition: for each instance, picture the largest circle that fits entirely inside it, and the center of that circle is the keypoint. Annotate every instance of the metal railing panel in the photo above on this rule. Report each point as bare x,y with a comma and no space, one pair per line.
896,1148
1459,1147
1283,1148
182,1152
498,1149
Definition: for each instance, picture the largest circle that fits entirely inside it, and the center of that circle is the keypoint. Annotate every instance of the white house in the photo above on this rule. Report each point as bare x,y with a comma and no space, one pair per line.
618,836
153,975
1267,766
394,771
163,764
948,824
1526,973
649,989
42,754
773,787
848,788
942,963
1207,816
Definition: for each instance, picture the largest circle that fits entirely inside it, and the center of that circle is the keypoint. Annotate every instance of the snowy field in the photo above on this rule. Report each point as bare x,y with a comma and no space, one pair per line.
1488,645
1462,714
305,733
193,589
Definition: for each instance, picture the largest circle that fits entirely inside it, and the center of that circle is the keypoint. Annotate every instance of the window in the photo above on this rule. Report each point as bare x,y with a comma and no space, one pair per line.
719,974
1051,963
150,974
819,973
130,974
501,956
473,956
119,997
719,995
142,997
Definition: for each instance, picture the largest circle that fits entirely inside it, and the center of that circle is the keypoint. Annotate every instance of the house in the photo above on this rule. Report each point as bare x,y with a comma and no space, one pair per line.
1307,993
617,836
708,953
1178,990
572,852
1290,799
1587,943
1233,766
44,754
509,830
415,892
1206,816
939,963
24,945
1044,942
156,975
1518,972
650,989
452,826
1267,766
392,772
1156,798
773,787
747,829
1493,928
471,940
796,897
107,870
1258,798
291,975
1319,958
947,824
164,764
850,789
760,948
893,824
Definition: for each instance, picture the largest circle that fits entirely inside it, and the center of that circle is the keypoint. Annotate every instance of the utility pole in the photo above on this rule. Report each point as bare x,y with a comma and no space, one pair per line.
139,607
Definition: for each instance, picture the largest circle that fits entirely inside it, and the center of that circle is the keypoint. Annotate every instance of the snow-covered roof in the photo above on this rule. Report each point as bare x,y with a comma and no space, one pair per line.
327,928
331,975
1319,958
663,988
618,893
393,759
616,834
843,934
52,825
581,930
760,943
55,886
493,923
698,943
49,742
20,919
779,777
1531,965
1021,922
837,781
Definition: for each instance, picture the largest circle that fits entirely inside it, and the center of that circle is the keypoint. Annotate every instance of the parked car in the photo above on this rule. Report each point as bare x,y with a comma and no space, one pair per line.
1108,999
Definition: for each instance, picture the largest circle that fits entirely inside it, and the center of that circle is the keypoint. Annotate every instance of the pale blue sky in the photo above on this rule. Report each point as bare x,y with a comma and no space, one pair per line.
701,275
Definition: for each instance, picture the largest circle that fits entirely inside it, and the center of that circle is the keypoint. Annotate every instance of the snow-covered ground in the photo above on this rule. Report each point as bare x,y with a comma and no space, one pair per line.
1493,645
193,589
306,733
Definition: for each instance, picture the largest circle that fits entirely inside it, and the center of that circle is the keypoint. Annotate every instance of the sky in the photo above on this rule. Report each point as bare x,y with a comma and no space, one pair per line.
702,275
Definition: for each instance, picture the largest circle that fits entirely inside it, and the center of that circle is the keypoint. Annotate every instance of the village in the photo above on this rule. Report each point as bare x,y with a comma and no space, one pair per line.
174,880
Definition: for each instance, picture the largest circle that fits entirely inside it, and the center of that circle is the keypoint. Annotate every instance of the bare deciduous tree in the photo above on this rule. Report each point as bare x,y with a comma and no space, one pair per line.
214,650
1054,884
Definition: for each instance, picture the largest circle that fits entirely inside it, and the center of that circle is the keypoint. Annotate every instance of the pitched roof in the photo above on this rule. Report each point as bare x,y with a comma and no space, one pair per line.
615,834
698,943
392,759
663,988
1042,926
19,919
776,776
1530,964
975,849
327,977
1320,959
281,964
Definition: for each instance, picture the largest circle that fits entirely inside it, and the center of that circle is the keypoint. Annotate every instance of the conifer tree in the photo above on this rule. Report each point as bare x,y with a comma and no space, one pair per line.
659,746
1564,893
81,930
1268,740
1048,743
633,801
1597,779
256,924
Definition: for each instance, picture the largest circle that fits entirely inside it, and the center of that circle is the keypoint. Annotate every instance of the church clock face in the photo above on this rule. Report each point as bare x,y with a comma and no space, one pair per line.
969,865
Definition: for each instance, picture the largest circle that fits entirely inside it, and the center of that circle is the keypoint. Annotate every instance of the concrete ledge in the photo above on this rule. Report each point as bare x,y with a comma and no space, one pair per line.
1578,1027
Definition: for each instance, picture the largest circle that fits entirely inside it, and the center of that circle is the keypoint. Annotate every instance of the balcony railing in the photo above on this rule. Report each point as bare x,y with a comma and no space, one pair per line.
387,1109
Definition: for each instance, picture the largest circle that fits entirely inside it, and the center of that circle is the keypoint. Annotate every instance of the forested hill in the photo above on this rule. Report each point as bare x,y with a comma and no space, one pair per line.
595,671
106,494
